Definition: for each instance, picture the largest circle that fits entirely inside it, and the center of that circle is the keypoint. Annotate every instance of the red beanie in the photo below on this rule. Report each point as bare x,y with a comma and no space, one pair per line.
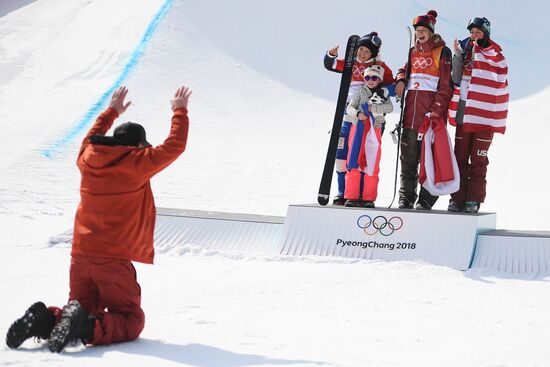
427,20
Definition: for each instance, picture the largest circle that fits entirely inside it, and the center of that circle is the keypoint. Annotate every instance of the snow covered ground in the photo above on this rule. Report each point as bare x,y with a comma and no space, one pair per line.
260,112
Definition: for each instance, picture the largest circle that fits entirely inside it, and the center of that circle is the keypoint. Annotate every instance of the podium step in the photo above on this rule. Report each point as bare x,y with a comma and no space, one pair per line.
435,237
514,252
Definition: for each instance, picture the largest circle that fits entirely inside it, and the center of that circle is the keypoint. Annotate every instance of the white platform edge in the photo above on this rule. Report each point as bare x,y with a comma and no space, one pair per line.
227,231
515,252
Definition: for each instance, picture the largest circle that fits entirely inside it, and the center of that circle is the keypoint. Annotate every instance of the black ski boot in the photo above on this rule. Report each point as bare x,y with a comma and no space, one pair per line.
455,207
368,204
37,321
471,207
423,205
338,200
75,324
404,203
351,203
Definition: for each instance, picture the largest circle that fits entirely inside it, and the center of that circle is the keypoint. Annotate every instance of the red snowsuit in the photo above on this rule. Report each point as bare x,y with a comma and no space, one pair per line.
114,224
101,284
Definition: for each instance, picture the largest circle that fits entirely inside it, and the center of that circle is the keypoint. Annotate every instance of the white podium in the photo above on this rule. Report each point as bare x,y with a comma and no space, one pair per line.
436,237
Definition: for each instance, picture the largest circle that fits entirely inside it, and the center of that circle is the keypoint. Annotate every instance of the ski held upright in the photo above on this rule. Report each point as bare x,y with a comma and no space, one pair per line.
326,179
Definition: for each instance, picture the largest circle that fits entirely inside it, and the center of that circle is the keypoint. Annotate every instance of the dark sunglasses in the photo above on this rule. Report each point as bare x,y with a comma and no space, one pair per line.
371,77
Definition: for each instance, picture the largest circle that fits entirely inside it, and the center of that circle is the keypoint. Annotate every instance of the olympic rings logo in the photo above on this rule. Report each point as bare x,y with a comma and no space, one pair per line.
379,224
422,62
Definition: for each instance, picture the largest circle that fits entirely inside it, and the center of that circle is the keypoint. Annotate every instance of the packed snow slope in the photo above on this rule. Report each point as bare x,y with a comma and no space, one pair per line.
261,108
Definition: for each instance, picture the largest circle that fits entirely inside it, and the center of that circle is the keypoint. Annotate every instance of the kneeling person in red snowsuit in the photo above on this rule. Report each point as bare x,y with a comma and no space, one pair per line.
366,112
114,225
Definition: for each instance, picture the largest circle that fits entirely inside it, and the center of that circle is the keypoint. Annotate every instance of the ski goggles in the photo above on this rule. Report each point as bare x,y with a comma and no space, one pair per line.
481,23
371,77
376,41
370,39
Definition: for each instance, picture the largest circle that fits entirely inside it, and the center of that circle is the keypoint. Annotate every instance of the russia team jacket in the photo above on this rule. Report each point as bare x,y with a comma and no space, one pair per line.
116,214
429,88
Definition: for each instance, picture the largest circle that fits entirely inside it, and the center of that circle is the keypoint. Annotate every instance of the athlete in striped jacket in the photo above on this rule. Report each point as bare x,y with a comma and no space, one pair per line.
478,110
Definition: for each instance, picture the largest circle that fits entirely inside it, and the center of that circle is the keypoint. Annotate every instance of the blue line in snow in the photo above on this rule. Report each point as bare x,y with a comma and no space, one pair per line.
98,106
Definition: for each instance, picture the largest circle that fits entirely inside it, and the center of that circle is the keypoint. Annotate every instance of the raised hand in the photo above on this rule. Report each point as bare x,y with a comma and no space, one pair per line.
333,51
456,46
181,98
117,100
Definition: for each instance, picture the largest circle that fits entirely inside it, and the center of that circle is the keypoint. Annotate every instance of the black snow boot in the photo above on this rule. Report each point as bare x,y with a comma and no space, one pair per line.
368,204
423,205
404,203
455,207
338,200
75,324
353,203
37,321
471,207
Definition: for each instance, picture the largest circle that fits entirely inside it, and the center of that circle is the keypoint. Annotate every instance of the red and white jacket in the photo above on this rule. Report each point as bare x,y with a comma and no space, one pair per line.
358,70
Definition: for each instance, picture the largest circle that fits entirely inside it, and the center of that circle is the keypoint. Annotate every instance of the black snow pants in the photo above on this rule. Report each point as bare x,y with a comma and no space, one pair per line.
411,149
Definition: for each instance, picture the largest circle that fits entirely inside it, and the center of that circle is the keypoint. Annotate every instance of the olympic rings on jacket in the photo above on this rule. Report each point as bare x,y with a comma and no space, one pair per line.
422,62
358,71
379,224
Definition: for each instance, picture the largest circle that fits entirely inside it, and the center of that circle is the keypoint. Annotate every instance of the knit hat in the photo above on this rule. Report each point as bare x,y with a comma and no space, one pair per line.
427,20
481,23
375,70
372,42
128,133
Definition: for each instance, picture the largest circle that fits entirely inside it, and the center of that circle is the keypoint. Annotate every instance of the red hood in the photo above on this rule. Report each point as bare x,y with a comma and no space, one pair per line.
97,156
